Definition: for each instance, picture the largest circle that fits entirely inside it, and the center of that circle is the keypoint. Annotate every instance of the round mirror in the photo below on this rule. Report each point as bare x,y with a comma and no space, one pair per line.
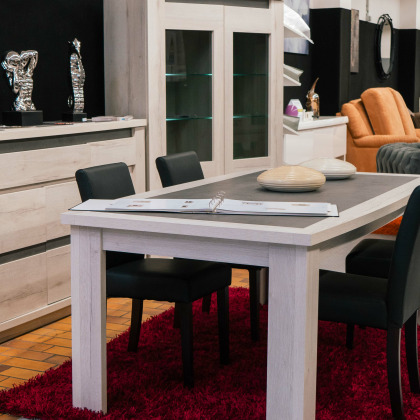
384,46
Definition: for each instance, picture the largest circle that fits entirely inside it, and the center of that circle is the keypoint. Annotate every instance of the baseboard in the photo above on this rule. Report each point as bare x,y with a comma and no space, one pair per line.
36,319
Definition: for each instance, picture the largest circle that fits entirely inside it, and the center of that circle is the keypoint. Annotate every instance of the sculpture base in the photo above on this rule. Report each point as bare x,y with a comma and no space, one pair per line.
22,118
74,116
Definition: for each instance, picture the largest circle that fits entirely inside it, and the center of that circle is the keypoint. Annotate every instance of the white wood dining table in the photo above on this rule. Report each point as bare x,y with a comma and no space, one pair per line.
291,247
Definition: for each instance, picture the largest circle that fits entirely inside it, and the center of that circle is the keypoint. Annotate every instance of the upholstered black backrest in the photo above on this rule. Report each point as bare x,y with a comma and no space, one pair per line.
105,182
404,277
179,168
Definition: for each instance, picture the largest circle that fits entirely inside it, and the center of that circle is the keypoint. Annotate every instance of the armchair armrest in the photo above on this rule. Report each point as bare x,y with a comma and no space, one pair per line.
417,132
379,140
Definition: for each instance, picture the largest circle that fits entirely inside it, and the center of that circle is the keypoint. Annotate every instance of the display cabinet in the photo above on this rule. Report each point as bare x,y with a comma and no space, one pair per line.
206,74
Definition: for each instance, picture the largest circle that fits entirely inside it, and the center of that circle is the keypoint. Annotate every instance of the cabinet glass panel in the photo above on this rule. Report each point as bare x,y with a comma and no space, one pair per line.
189,92
250,95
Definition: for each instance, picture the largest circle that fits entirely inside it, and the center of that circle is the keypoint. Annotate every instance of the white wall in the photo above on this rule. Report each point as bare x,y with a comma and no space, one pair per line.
405,14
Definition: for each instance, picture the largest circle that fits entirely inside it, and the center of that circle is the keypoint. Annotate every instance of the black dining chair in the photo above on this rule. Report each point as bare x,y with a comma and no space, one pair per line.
385,303
175,280
179,168
370,257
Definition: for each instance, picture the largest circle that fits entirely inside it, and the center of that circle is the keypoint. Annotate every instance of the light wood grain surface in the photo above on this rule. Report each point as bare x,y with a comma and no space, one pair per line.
292,255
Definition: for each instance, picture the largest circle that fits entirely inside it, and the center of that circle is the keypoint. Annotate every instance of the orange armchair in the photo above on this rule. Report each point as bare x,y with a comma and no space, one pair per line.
379,117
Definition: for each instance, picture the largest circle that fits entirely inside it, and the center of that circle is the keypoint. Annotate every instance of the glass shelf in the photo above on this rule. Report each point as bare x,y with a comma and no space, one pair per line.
249,74
250,116
187,118
187,74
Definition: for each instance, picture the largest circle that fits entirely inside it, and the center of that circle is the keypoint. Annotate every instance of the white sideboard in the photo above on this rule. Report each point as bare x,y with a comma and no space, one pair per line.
321,137
36,185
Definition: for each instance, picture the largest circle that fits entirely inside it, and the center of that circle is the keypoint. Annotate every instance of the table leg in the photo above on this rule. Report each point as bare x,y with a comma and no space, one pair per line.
292,332
88,319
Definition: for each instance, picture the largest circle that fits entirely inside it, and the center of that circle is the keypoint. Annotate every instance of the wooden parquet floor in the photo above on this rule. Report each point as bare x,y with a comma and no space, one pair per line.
48,347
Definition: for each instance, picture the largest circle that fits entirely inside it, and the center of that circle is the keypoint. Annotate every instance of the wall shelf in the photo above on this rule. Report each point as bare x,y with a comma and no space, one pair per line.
289,81
291,32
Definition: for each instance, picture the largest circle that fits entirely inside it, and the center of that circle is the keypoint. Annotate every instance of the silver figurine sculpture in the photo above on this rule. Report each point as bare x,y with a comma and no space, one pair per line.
77,73
20,69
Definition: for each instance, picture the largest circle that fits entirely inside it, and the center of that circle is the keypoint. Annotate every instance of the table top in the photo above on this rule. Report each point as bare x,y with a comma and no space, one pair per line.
361,200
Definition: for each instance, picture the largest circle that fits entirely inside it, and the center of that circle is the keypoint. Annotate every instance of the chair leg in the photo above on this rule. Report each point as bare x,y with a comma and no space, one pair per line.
411,351
177,323
349,336
206,304
136,315
254,302
185,316
394,371
223,322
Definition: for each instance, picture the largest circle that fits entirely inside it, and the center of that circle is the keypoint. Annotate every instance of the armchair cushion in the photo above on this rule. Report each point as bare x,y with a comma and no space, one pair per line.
359,125
379,140
387,112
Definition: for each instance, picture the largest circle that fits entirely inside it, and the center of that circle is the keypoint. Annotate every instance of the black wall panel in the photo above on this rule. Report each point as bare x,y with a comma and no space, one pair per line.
367,76
46,26
409,67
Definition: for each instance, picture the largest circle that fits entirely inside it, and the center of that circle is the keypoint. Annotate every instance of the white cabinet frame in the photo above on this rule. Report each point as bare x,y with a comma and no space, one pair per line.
135,71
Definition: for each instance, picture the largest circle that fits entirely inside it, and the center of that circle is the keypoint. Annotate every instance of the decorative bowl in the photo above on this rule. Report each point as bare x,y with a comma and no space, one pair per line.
291,178
331,168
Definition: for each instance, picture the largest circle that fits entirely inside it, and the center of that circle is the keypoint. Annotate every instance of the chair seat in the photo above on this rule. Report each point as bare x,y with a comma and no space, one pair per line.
371,257
172,280
353,299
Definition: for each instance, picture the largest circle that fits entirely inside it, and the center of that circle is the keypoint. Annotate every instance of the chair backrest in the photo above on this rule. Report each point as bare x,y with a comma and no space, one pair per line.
108,182
179,168
404,277
387,112
105,182
359,124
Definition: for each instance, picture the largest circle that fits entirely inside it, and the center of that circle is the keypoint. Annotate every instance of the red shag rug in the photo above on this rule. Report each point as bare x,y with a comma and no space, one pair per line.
391,228
148,385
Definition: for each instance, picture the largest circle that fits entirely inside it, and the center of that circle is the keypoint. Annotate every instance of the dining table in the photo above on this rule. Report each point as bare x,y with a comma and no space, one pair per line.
291,247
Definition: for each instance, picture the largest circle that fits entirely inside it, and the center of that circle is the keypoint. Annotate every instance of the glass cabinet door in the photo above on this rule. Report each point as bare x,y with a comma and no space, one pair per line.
250,95
189,82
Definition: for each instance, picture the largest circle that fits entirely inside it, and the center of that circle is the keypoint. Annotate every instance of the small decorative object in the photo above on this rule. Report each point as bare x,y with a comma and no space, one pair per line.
294,108
307,115
291,179
312,102
19,70
354,41
331,168
384,46
76,101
